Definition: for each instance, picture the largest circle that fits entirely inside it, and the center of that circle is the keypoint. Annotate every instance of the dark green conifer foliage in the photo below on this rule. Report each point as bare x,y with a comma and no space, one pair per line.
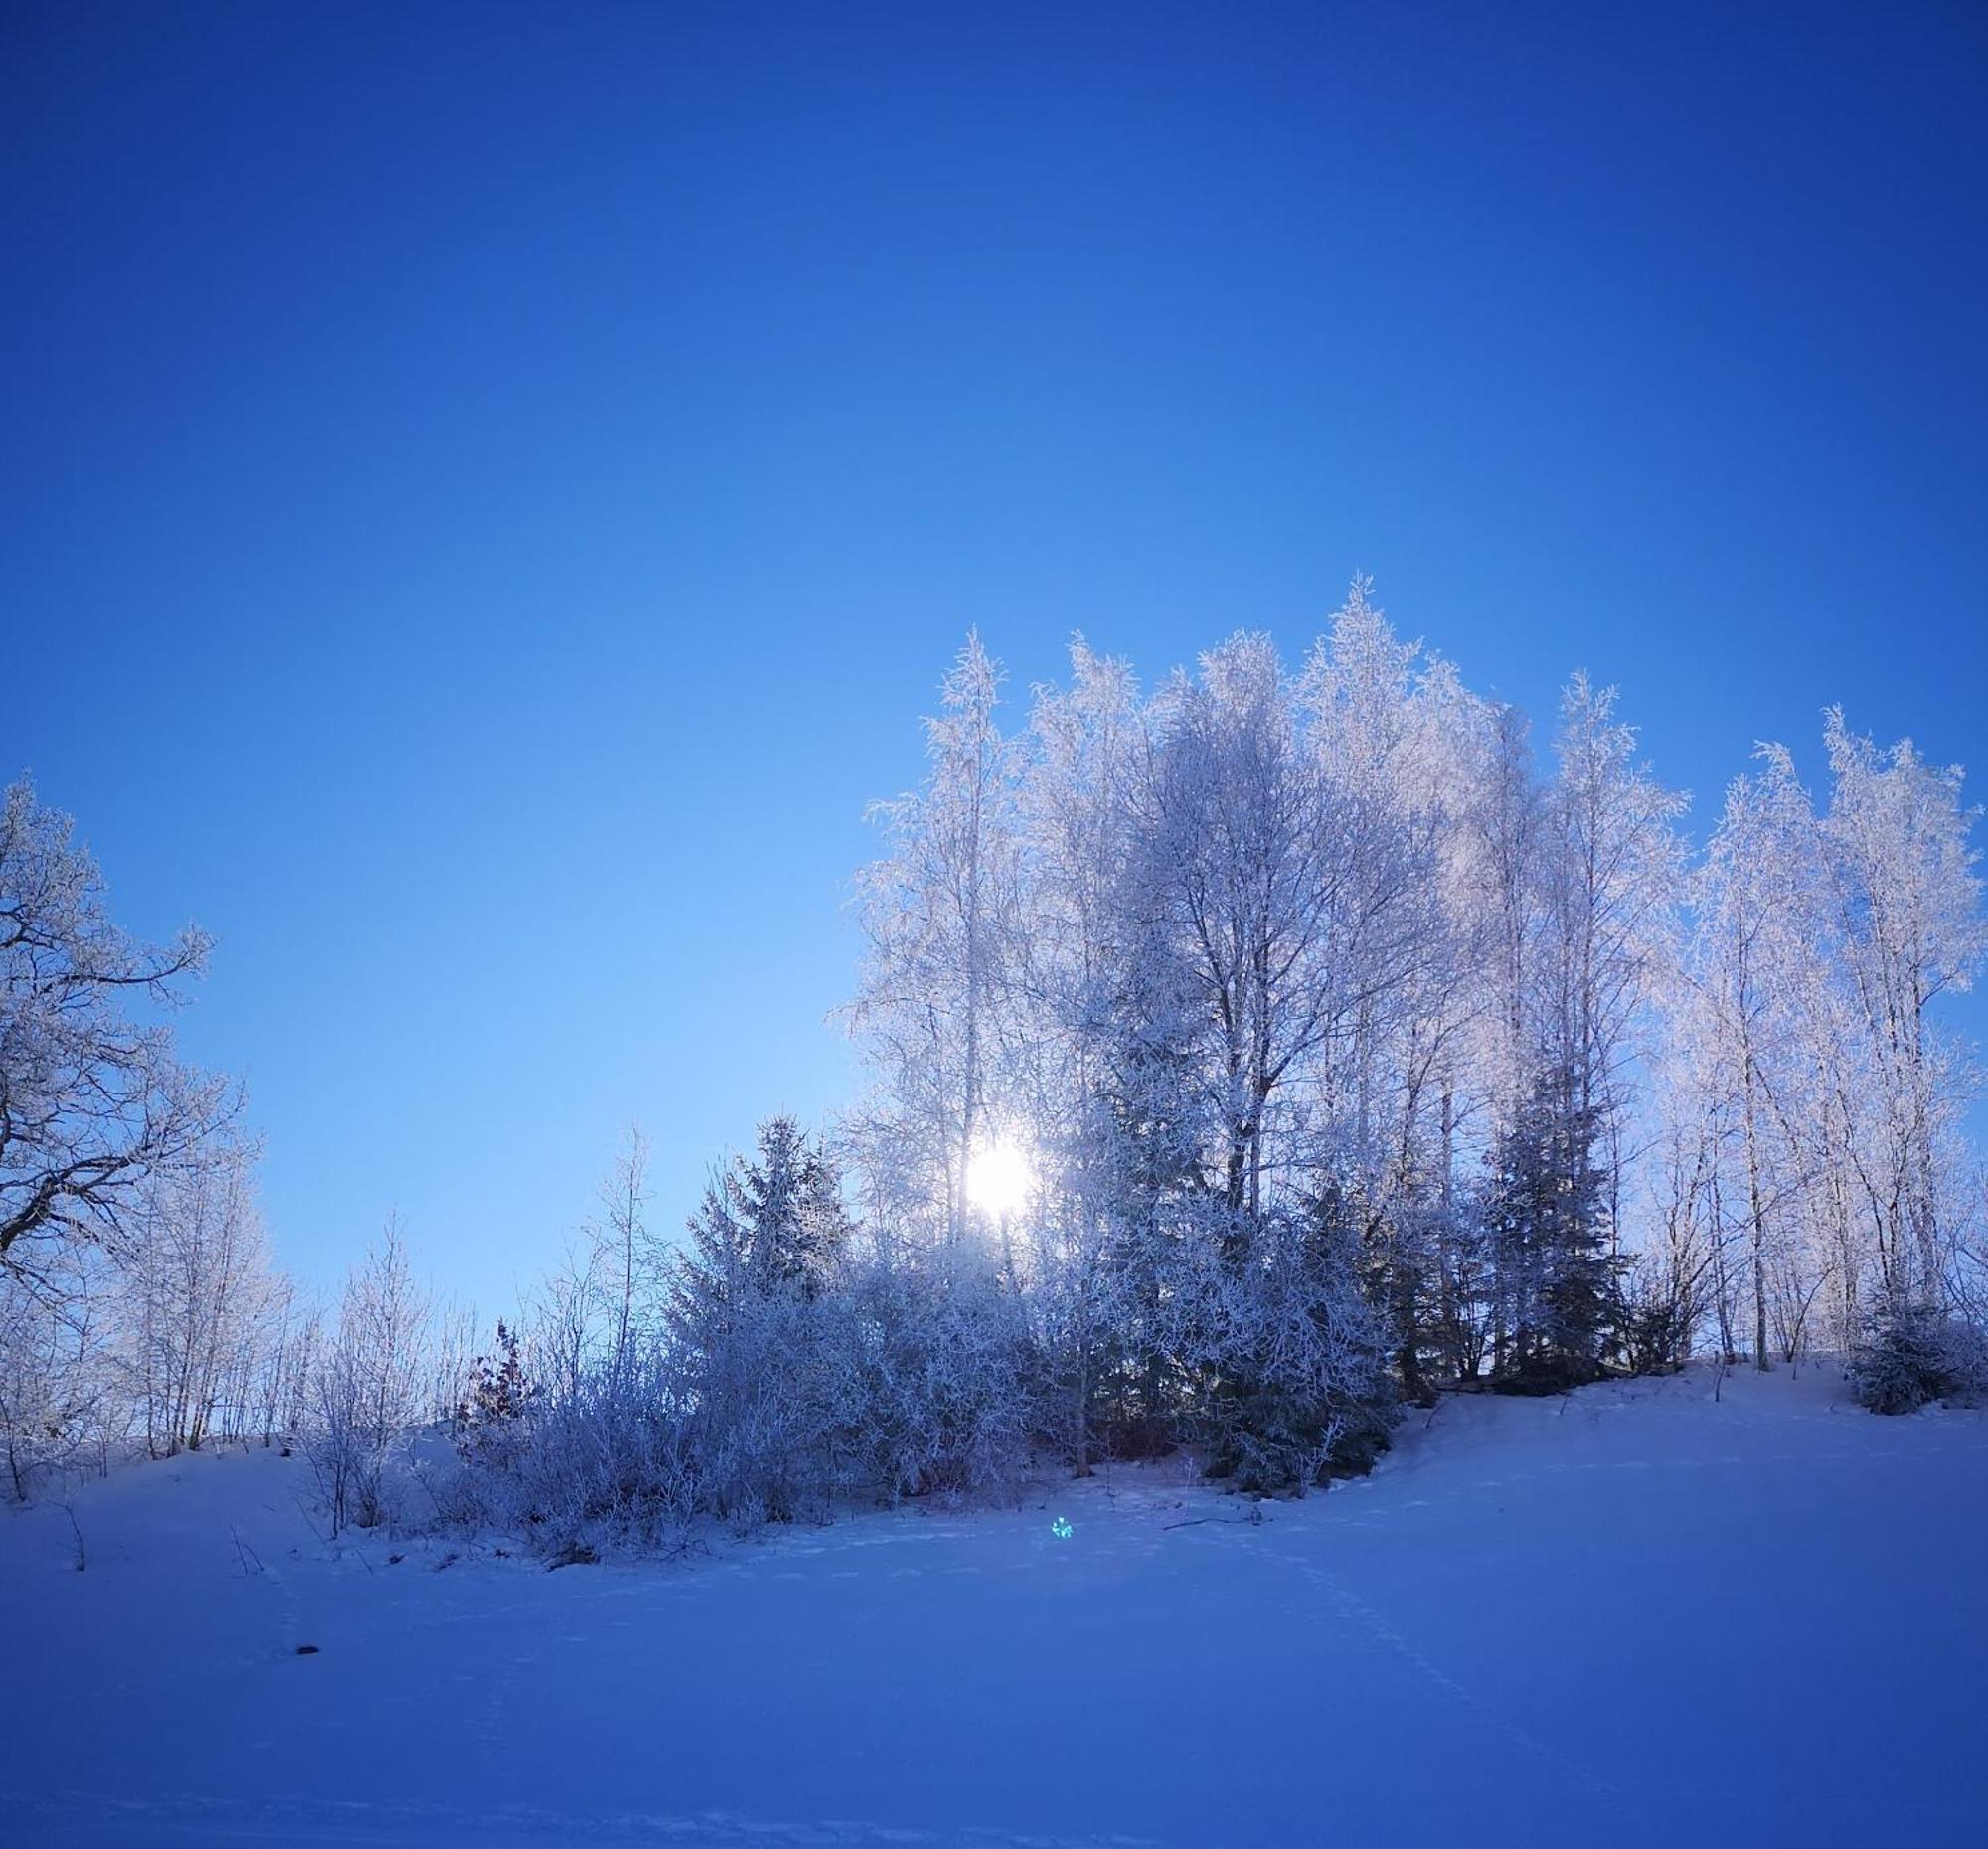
1549,1217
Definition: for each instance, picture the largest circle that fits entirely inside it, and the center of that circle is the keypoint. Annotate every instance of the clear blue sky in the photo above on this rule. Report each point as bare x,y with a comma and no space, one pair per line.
486,491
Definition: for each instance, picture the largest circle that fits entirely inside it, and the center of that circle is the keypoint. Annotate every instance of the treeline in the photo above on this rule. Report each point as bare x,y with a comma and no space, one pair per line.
1247,1056
177,1332
1328,977
135,1290
1252,1055
141,1312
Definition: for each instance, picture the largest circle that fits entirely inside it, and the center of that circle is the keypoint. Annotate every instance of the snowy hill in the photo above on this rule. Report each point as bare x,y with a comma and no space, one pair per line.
1629,1617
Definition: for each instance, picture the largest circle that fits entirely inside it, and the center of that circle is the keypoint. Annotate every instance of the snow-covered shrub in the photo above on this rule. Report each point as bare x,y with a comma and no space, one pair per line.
365,1392
766,1411
937,1381
1298,1389
1914,1354
491,1428
613,1460
887,1383
566,1459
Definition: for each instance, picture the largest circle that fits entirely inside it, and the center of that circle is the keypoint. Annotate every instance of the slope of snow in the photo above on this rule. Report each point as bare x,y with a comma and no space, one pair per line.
1631,1617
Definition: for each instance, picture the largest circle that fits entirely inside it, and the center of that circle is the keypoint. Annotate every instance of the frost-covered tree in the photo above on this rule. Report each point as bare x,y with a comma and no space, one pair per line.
939,911
1614,865
365,1394
137,1289
203,1299
65,1399
623,1256
771,1225
1821,947
1236,878
1754,969
93,1102
1341,1051
1589,870
750,1334
1085,749
1907,905
1399,740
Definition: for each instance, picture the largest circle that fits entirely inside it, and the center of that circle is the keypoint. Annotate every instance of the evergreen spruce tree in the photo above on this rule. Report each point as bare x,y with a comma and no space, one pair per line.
792,1198
770,1226
1549,1218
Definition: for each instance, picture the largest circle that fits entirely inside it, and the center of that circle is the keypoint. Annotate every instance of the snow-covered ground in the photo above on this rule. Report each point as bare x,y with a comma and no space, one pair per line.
1631,1617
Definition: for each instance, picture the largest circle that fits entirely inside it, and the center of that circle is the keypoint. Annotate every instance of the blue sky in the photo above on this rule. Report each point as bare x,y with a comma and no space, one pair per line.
486,491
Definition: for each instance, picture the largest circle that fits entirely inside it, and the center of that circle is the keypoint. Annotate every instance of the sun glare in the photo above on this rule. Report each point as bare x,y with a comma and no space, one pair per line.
998,1178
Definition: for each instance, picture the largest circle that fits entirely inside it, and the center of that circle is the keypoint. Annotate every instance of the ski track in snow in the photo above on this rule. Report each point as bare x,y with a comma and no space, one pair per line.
83,1816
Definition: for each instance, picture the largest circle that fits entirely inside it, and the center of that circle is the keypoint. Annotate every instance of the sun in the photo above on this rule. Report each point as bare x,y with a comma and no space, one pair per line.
999,1177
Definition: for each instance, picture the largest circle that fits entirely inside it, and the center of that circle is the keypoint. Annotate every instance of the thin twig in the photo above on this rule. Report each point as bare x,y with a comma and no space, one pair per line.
243,1553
